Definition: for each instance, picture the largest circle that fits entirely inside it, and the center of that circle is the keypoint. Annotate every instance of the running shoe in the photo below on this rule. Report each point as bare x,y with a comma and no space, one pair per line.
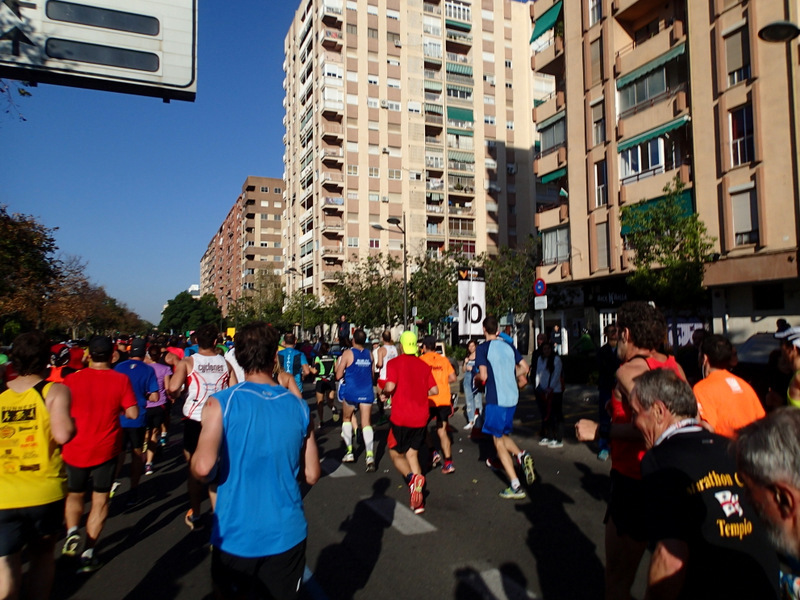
148,469
348,458
436,459
88,565
114,488
544,441
415,487
602,455
448,467
512,494
335,415
419,510
469,426
71,544
494,464
527,467
370,464
388,404
194,523
555,444
163,441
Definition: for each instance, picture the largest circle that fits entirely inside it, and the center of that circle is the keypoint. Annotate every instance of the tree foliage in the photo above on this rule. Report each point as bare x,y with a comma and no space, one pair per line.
434,285
670,247
185,313
371,293
509,277
263,303
9,91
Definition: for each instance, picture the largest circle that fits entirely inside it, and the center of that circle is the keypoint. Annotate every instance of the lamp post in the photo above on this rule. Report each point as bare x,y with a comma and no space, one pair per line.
396,222
294,272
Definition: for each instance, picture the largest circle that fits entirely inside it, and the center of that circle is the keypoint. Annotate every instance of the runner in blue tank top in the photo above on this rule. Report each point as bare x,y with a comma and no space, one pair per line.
355,366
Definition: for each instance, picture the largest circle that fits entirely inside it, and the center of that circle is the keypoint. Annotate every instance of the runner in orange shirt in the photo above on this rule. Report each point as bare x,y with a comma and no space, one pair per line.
441,405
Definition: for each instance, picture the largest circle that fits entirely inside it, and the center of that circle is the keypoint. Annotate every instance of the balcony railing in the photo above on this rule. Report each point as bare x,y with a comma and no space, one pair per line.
650,102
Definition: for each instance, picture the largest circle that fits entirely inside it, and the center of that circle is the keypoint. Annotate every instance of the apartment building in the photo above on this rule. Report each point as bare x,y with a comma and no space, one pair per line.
249,240
648,90
411,110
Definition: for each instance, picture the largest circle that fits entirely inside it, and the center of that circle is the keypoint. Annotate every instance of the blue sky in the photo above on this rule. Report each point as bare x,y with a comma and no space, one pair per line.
137,187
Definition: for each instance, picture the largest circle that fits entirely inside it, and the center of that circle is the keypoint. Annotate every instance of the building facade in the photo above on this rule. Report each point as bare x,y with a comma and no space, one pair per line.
247,244
405,109
646,91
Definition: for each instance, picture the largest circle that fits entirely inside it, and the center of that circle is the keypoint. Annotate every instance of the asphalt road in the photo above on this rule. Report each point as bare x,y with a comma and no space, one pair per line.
364,541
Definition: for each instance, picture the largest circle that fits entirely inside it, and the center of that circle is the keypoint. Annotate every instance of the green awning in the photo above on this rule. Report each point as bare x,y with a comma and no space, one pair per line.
547,122
653,133
685,203
432,60
459,24
546,22
459,88
458,68
460,114
433,108
464,157
651,66
435,86
553,175
459,132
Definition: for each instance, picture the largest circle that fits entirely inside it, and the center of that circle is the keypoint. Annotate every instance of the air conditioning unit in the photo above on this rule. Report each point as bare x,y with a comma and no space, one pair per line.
397,44
384,198
384,104
385,150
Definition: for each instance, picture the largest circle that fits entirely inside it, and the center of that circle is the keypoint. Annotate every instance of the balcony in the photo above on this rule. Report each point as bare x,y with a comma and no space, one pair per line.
434,119
636,55
335,155
434,185
461,210
659,109
550,160
332,179
431,139
549,216
331,275
332,108
461,189
434,232
434,163
331,38
462,79
332,226
650,184
460,232
331,15
437,209
332,131
431,9
333,204
457,37
332,252
549,106
550,59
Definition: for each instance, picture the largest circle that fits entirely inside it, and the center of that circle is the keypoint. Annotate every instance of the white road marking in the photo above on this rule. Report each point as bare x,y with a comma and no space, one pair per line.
400,517
334,468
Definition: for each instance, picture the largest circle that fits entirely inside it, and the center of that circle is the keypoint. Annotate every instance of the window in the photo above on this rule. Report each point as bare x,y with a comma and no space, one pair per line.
489,79
351,28
737,54
458,10
394,106
644,160
352,242
508,63
509,85
595,11
352,169
395,174
277,190
372,9
264,188
372,103
462,93
393,62
374,197
555,244
372,33
596,58
277,204
352,98
600,183
374,172
393,83
372,79
553,136
742,147
393,14
643,89
489,119
510,125
415,175
601,239
745,217
277,217
414,106
598,123
488,99
374,243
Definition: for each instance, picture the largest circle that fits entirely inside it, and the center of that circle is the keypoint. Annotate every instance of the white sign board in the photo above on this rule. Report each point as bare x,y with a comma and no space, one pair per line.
540,303
145,47
471,301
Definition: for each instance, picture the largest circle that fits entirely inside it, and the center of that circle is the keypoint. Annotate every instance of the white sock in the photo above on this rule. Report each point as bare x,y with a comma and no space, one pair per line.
515,484
347,435
368,438
72,530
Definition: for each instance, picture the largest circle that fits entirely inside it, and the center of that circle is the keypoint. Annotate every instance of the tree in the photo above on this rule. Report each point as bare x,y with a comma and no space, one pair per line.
9,90
263,303
370,293
434,285
670,246
509,277
184,313
28,267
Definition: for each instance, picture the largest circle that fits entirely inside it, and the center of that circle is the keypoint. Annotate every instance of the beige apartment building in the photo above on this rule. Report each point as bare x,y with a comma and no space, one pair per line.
647,90
249,240
406,109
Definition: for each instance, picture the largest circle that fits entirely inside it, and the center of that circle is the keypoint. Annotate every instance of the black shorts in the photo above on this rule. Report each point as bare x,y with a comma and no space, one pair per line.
20,526
402,439
324,386
626,506
102,477
278,576
154,417
191,433
133,438
441,414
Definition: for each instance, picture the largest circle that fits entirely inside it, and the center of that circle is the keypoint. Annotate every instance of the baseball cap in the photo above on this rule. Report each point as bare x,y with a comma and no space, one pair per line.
101,344
138,348
791,335
59,355
408,341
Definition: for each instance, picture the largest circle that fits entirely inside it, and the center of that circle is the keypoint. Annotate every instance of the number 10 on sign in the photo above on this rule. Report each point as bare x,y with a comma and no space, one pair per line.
471,301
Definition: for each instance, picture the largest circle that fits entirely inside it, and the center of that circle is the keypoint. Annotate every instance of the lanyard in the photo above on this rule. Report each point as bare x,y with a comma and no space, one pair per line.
683,426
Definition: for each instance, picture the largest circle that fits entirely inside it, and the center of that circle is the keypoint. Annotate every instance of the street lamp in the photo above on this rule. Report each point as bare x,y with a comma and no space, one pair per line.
779,31
396,222
294,272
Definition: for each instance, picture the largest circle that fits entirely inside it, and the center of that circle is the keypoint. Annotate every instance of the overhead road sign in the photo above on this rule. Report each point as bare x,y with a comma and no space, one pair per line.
144,47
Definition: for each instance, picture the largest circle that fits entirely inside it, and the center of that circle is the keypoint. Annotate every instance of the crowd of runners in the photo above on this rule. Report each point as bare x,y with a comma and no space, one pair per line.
72,415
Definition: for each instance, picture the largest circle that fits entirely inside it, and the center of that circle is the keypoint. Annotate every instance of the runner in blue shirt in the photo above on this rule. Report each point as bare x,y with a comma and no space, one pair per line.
293,361
355,366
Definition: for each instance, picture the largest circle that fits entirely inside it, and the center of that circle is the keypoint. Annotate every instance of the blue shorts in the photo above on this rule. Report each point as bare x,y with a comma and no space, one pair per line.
498,420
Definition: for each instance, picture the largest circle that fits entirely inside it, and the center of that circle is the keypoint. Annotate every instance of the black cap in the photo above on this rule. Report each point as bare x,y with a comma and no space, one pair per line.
138,348
101,344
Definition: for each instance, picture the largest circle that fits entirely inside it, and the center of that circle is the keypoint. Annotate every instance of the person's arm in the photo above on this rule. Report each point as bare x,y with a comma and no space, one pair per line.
522,369
288,381
343,362
310,458
58,400
433,391
483,373
381,357
451,377
178,378
388,390
132,412
667,573
232,379
204,459
152,397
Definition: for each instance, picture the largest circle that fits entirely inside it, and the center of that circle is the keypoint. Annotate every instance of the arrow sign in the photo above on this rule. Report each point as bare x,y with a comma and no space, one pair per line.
15,5
17,37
